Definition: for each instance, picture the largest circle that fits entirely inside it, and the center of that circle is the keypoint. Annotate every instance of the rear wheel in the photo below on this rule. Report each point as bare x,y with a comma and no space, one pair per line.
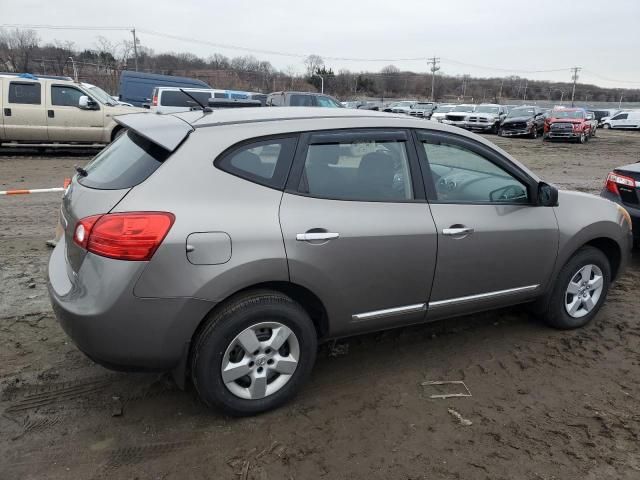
580,290
254,354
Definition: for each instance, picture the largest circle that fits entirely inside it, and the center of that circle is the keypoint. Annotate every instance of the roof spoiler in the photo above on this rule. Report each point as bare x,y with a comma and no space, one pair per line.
167,131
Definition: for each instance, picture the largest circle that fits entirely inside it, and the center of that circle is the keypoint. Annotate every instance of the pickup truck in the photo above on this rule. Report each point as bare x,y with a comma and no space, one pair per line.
56,111
486,118
567,124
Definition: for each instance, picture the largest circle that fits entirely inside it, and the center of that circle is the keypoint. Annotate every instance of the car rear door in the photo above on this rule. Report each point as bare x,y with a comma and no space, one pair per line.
494,246
24,111
357,229
66,121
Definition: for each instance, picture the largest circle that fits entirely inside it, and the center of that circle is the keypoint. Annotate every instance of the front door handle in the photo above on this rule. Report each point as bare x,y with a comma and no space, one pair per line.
51,113
316,236
7,112
455,231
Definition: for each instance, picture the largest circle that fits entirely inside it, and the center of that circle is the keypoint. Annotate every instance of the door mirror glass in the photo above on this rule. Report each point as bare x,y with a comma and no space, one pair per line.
547,195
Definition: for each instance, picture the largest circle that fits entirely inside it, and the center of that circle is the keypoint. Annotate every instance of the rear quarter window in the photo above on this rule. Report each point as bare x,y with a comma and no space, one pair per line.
125,163
263,161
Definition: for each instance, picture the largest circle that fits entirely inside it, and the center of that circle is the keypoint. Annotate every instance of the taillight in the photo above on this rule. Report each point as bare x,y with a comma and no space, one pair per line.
124,236
154,102
615,179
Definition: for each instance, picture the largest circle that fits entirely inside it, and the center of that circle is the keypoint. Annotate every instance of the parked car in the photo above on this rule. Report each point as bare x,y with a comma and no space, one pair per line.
623,120
603,113
526,120
307,242
567,124
50,111
458,116
422,110
623,187
353,104
441,111
301,99
403,107
261,97
486,118
593,122
136,88
174,100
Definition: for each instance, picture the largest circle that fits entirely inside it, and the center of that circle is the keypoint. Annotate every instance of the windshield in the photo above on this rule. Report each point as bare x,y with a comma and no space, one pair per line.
567,114
487,109
102,96
443,108
463,108
521,112
422,105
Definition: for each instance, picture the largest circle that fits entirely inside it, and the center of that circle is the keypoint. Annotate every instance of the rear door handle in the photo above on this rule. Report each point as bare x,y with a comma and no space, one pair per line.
316,236
456,231
51,113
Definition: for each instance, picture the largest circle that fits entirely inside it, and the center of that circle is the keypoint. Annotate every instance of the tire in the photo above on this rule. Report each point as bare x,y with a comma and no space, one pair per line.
260,312
555,313
583,138
534,132
606,126
500,133
494,130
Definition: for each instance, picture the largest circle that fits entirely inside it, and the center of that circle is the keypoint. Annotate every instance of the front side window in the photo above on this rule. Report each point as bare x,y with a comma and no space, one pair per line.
266,162
65,96
463,176
301,100
327,102
622,116
26,93
375,171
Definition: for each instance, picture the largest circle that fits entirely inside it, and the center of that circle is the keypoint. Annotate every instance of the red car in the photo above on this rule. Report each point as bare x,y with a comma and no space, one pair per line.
567,123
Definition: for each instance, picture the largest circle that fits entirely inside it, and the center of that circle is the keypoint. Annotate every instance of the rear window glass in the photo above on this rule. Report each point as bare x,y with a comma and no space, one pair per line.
301,101
127,162
266,162
26,93
171,98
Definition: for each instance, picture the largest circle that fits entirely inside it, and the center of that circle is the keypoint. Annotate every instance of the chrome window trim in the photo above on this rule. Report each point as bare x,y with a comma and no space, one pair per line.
389,312
481,296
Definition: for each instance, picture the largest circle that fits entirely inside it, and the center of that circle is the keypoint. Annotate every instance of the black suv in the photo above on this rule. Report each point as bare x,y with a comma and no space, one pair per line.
301,99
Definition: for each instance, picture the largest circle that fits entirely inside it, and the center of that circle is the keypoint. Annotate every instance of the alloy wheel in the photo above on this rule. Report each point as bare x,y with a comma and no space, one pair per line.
584,291
260,360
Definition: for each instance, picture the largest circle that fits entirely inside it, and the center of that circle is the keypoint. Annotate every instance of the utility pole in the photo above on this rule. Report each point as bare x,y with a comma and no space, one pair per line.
620,102
135,47
526,84
464,85
575,79
500,94
434,62
321,81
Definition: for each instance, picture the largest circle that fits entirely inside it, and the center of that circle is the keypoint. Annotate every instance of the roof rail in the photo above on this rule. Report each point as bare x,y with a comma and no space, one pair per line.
31,76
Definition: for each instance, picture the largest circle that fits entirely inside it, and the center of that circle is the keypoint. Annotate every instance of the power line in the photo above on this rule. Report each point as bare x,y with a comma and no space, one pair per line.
62,27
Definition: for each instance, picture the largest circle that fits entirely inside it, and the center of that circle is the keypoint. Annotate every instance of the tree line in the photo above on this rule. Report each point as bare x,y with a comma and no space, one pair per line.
21,50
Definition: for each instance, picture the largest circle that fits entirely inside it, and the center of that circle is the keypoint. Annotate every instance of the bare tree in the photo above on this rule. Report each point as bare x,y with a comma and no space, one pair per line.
20,45
313,63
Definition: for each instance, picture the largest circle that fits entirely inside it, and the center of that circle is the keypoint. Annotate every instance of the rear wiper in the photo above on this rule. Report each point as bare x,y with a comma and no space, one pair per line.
204,108
81,171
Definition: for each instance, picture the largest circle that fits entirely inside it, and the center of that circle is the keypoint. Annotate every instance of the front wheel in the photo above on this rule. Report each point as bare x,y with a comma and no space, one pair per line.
534,132
580,290
254,354
606,126
583,138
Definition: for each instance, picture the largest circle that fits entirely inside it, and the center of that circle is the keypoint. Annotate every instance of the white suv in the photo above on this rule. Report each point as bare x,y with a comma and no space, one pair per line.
173,99
56,111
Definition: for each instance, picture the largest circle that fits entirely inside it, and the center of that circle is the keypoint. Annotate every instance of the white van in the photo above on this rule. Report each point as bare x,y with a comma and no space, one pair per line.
54,111
172,99
627,119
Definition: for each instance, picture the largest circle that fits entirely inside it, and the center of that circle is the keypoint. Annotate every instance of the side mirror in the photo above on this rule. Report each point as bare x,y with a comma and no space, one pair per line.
547,195
86,103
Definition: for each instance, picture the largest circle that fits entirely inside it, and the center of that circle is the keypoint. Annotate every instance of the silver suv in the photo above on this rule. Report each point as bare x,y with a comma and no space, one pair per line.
224,246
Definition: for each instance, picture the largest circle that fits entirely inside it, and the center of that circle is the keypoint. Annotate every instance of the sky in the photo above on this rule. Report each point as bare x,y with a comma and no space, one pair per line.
484,38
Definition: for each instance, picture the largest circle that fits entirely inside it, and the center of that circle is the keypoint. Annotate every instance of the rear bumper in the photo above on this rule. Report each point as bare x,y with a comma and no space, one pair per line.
634,212
97,309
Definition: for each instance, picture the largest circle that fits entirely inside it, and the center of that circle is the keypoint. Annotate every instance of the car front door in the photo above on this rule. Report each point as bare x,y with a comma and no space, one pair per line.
357,229
619,121
24,111
67,122
495,247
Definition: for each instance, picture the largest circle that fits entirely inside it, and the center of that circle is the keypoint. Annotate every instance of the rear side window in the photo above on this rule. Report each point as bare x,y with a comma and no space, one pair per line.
27,93
266,162
301,101
127,162
376,171
175,98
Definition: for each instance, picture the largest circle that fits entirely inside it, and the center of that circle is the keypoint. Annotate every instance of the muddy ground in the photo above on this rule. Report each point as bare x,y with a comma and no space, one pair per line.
545,404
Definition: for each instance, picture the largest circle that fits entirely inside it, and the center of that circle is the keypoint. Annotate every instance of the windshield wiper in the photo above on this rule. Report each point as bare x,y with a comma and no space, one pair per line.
81,171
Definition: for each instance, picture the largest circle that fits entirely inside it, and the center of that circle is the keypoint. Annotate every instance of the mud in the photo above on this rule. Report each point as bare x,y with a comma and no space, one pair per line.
545,404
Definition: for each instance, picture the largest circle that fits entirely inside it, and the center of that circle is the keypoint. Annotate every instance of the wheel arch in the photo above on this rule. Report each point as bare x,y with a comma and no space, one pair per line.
612,251
114,131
